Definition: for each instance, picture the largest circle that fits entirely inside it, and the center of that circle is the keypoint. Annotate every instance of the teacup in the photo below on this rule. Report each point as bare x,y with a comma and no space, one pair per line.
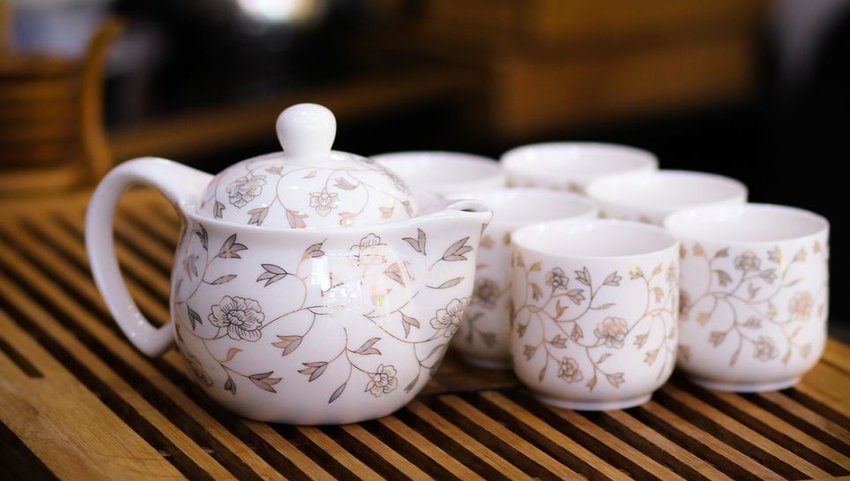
444,172
754,294
651,196
572,165
483,338
594,311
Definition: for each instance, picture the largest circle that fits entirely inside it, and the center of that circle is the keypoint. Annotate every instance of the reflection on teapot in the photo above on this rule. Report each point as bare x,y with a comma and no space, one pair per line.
309,286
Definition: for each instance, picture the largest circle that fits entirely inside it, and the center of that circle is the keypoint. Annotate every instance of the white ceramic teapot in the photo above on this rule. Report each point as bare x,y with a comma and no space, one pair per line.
309,286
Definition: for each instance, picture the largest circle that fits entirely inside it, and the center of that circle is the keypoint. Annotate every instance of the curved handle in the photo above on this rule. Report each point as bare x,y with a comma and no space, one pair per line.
181,185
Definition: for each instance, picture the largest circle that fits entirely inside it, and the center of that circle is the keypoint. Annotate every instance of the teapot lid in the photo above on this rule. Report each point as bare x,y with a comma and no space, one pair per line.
308,185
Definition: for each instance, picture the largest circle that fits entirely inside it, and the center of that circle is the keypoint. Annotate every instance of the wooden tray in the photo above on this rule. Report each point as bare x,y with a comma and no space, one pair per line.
78,402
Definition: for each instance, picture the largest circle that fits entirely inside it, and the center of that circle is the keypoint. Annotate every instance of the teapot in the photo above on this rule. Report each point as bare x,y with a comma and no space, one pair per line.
309,286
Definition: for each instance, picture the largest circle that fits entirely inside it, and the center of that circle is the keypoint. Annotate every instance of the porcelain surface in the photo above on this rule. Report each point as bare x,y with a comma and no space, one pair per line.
651,196
754,294
444,173
484,336
594,314
572,165
298,325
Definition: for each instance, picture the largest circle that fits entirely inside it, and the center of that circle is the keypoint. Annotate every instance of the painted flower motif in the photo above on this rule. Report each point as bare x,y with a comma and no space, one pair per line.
383,381
612,330
323,202
672,274
198,370
370,251
569,371
557,279
242,317
801,306
447,321
765,349
245,189
684,305
748,261
486,292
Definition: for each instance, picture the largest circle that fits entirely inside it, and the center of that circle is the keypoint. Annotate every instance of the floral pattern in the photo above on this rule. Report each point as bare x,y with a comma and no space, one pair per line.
212,344
323,202
241,317
756,301
579,325
486,293
244,189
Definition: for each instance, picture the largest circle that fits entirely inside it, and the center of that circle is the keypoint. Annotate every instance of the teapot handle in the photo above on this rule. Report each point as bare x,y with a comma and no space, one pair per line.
181,185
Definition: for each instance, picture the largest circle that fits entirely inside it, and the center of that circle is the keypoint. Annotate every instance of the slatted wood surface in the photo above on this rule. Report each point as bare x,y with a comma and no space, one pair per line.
78,402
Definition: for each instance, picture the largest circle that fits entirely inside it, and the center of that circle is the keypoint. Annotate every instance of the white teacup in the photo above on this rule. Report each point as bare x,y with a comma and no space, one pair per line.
651,196
594,311
754,294
572,165
444,172
483,338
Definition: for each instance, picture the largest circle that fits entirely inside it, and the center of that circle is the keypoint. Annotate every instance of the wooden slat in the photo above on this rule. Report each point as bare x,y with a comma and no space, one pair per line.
637,463
370,447
640,434
563,447
228,445
792,409
336,453
732,461
522,453
45,412
727,428
464,446
784,433
419,447
838,355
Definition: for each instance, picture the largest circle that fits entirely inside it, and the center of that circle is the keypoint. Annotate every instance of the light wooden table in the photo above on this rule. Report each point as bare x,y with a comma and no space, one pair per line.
77,402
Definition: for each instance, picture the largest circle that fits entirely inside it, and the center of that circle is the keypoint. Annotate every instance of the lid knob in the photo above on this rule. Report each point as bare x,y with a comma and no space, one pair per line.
305,130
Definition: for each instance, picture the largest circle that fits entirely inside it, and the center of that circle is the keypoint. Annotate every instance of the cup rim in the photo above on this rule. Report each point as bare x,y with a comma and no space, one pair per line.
512,160
481,160
674,221
588,205
518,238
600,189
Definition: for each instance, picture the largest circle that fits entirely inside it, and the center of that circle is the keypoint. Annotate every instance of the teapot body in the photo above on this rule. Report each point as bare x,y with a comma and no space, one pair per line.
303,327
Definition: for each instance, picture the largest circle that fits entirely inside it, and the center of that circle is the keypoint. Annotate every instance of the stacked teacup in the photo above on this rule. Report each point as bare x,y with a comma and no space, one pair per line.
594,313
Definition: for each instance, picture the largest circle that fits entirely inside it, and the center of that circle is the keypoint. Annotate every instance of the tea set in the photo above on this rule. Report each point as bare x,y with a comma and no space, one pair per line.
313,286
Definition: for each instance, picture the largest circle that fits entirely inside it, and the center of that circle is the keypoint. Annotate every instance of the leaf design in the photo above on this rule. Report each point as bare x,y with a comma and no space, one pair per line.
752,290
344,184
656,271
296,219
407,208
576,295
603,357
559,341
434,351
752,322
314,251
230,248
559,309
418,244
338,392
723,277
703,318
275,169
397,271
636,272
651,356
542,374
612,280
223,279
534,267
310,174
506,239
659,294
456,251
347,218
407,322
722,253
583,276
640,340
592,383
218,208
202,234
231,353
366,349
288,343
194,318
615,379
190,266
528,351
386,212
272,274
412,384
229,385
716,337
602,307
698,250
576,334
487,242
264,382
258,215
536,292
775,255
449,283
314,369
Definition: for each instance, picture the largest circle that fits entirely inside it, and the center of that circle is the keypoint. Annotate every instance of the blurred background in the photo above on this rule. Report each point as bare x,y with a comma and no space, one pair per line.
755,89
